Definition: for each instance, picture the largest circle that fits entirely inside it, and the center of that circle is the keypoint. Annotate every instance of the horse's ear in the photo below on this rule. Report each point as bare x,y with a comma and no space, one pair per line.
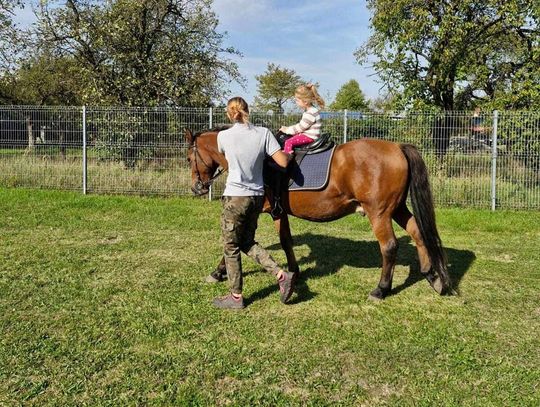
188,135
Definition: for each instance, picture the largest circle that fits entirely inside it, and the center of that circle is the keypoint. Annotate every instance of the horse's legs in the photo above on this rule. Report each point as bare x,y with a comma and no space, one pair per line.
384,232
219,274
406,220
284,229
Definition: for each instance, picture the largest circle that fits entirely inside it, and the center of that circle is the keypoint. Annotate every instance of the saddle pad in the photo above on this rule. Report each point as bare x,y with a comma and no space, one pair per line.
312,173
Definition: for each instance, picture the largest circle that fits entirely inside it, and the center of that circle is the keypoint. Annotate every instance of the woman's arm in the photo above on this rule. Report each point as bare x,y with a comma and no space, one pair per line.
281,158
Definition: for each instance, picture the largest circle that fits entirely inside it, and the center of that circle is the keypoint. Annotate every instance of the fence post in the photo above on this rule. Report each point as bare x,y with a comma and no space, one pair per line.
84,157
345,126
210,125
494,161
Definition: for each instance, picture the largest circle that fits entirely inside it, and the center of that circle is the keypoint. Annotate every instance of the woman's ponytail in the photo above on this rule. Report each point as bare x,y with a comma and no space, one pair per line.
238,110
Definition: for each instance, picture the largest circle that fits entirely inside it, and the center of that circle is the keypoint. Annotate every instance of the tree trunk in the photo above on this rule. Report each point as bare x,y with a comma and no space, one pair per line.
443,126
62,144
442,129
31,138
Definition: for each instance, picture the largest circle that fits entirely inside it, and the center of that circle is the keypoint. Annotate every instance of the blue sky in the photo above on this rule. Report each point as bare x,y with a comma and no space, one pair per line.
316,38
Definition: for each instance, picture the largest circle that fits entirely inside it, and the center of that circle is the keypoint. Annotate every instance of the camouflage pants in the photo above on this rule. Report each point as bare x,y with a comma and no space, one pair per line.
238,225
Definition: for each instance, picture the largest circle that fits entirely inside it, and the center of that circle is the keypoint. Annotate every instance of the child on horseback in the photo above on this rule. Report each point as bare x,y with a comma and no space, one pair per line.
309,127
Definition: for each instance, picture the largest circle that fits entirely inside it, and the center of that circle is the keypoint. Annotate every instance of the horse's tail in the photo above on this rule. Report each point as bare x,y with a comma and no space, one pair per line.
424,213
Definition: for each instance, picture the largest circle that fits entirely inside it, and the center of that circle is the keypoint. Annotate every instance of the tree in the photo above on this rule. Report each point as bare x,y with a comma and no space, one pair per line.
9,33
276,86
44,79
350,96
384,103
141,52
453,54
11,44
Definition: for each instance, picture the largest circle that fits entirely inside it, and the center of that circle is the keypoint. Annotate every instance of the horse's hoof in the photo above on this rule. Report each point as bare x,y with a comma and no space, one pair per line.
436,283
295,270
438,286
376,295
210,279
215,278
372,298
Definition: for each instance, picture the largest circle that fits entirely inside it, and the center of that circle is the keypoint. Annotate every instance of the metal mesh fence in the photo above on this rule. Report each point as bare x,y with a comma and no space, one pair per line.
140,150
489,159
41,147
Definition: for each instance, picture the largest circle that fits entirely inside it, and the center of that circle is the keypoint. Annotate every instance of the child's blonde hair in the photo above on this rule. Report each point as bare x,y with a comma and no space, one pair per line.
307,93
238,110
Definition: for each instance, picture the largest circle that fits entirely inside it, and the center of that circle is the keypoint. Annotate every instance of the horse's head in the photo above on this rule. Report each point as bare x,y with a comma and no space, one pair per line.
204,160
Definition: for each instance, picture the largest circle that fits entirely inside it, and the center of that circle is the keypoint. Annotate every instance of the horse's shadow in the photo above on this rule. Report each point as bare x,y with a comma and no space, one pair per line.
330,254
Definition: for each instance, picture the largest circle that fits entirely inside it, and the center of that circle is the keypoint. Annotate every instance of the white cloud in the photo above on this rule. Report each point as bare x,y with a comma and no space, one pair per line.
315,38
241,13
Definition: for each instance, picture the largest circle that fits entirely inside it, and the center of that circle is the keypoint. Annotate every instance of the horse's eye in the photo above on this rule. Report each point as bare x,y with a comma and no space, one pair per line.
189,160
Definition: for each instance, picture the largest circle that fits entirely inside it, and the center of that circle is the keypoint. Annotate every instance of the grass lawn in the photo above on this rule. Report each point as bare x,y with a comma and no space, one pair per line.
102,302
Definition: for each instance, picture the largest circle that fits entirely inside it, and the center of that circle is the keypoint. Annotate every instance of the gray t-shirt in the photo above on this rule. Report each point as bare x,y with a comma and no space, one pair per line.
245,147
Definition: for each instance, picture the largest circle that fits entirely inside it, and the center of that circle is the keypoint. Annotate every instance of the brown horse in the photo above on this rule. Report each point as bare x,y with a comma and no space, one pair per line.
368,176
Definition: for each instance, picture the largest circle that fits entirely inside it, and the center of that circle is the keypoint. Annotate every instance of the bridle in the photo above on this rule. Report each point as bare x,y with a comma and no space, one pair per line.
200,184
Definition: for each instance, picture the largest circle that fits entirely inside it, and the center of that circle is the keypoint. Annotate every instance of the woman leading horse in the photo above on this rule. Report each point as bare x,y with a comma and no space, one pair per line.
368,176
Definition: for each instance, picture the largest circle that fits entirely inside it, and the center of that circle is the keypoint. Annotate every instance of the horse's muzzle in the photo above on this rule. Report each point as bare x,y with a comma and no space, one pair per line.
199,189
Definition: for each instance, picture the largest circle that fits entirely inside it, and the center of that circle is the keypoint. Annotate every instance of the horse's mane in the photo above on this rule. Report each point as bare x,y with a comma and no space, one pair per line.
213,130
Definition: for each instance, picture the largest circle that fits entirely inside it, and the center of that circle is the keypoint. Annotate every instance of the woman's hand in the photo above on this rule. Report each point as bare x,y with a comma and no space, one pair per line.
283,129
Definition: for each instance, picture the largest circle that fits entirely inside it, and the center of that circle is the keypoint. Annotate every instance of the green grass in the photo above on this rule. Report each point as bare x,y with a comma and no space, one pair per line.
102,302
104,176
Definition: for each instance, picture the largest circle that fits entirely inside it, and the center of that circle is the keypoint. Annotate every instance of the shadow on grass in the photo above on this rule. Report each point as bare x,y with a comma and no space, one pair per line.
330,254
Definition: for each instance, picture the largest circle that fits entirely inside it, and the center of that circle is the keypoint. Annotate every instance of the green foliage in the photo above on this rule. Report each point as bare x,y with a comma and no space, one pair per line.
135,134
385,103
519,133
12,42
150,52
10,34
350,97
48,80
276,86
452,55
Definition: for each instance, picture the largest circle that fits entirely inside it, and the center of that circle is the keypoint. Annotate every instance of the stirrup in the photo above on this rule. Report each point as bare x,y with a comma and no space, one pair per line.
277,210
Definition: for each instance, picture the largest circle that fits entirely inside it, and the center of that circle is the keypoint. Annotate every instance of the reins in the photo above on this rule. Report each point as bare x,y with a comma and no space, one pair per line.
200,184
